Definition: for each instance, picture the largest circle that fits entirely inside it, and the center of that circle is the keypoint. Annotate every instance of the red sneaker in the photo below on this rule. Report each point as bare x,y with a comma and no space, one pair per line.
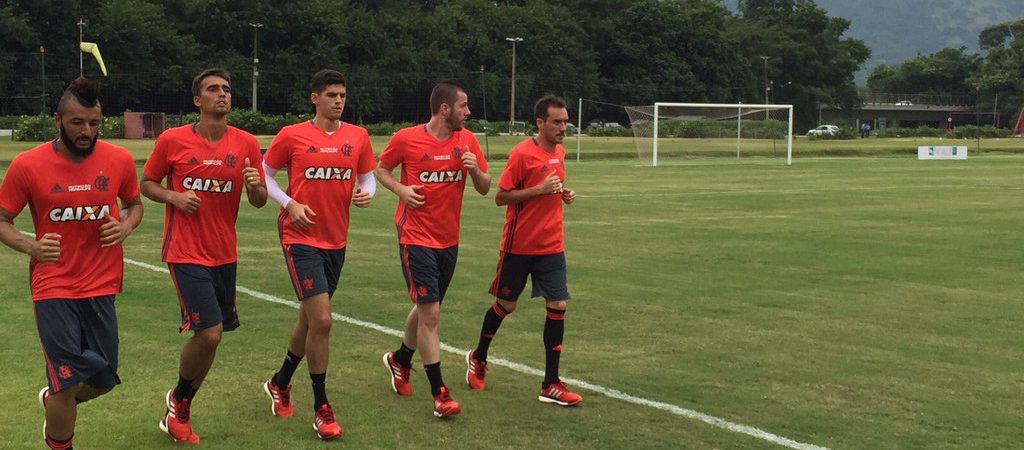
399,375
281,399
475,372
444,406
176,422
325,425
558,394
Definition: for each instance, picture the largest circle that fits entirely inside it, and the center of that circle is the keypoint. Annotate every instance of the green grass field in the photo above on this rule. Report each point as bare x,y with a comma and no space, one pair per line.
841,302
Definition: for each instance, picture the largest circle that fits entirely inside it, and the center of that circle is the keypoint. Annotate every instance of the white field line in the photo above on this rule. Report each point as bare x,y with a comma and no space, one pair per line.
522,368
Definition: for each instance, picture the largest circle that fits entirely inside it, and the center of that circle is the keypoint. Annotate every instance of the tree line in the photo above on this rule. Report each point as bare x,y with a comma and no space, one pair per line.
629,52
995,76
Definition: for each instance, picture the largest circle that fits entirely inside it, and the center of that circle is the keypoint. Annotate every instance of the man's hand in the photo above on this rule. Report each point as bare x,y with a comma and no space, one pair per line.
113,232
568,195
46,248
551,185
251,176
361,198
300,214
469,162
186,201
409,196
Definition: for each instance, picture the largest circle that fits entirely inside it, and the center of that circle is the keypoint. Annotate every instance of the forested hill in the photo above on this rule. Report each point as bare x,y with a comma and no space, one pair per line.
902,29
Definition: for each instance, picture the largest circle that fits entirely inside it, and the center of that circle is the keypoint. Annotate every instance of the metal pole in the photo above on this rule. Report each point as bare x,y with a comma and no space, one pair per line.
739,124
42,69
579,128
512,108
487,143
255,63
81,37
766,89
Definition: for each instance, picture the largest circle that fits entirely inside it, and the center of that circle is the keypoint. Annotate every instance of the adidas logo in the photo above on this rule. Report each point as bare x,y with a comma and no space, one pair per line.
56,189
425,157
311,149
193,161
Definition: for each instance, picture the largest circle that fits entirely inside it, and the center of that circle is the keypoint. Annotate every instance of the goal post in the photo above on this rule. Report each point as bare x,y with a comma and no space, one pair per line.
693,130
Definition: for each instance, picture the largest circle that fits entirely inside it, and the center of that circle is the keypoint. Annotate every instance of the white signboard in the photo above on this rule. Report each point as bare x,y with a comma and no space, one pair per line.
942,152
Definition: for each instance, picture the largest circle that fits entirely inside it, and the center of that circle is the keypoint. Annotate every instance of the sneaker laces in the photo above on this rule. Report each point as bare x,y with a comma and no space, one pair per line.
181,410
325,414
285,395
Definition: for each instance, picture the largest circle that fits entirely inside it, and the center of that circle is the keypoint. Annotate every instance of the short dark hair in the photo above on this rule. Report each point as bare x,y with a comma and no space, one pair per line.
540,109
81,90
446,92
325,78
197,82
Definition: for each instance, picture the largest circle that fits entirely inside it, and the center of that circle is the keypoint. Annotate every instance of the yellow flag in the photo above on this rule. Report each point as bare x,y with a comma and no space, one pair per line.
94,50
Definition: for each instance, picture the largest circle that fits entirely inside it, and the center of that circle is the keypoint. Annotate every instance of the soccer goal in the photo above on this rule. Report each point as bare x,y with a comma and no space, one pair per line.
709,130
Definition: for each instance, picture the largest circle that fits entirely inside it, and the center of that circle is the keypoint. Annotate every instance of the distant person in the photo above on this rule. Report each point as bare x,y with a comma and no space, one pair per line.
324,158
206,164
532,244
436,158
72,185
865,129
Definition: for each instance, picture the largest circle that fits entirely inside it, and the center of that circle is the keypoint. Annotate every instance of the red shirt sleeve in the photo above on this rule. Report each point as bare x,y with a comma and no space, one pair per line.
279,153
157,165
474,146
367,162
130,186
511,176
256,158
392,154
13,191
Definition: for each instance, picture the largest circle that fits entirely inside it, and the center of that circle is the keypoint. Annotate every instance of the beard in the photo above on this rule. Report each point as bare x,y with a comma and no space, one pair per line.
72,145
455,124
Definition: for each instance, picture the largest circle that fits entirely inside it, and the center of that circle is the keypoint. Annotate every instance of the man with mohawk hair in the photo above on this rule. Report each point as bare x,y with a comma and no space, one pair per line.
72,185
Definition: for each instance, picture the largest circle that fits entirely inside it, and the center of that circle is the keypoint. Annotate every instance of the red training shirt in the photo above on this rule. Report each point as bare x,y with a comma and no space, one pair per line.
322,173
533,227
73,200
437,166
214,171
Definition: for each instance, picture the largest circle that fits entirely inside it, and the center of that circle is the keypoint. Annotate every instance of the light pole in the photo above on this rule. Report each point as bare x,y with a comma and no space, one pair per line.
767,89
255,60
81,37
487,126
42,69
512,113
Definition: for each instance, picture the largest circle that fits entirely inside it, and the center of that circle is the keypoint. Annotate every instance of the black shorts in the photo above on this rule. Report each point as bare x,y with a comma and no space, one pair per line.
79,340
313,270
206,295
547,272
428,271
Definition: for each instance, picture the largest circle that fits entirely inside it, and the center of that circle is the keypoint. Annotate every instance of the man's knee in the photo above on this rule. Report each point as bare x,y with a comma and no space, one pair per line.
508,306
209,338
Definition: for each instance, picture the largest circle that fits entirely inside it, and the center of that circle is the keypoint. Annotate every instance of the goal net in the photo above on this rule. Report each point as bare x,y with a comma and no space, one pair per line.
706,130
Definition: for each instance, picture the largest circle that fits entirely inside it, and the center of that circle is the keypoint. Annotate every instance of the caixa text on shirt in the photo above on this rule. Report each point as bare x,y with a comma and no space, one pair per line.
328,173
441,176
79,213
207,185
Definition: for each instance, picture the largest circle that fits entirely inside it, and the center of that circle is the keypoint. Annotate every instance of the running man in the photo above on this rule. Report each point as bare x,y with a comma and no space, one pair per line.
205,164
72,185
435,157
323,157
532,244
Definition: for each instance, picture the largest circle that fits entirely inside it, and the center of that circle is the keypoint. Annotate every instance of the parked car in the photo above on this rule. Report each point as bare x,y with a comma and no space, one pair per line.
823,130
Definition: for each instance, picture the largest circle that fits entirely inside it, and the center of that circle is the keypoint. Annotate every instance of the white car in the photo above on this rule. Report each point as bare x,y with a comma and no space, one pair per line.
824,130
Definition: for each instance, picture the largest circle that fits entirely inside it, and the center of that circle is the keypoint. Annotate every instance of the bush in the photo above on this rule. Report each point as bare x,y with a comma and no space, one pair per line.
35,128
9,122
608,131
974,132
386,128
112,127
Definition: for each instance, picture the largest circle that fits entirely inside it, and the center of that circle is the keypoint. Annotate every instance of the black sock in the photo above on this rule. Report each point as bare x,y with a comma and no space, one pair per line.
492,320
184,389
554,329
319,389
283,377
434,375
59,445
403,355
